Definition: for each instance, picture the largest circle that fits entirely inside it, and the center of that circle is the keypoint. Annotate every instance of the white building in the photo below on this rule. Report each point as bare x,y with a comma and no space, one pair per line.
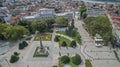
68,15
95,12
30,18
5,15
44,14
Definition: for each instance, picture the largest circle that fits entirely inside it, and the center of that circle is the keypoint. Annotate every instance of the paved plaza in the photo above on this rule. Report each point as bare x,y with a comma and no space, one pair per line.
27,59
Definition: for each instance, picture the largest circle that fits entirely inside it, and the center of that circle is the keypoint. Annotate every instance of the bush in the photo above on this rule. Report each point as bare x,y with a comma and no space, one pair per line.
23,45
56,39
65,59
76,59
16,53
73,44
14,59
64,44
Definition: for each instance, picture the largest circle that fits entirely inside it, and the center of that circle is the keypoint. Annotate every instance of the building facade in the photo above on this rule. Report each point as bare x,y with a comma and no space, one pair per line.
5,15
45,13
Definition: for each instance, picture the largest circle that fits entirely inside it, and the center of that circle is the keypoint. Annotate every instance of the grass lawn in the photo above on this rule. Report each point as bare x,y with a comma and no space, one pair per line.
64,39
72,65
61,32
88,63
77,37
45,37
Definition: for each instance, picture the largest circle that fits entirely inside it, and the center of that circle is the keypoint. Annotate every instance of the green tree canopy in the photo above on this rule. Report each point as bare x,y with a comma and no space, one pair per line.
61,21
23,22
2,27
56,39
84,15
64,44
100,25
76,59
15,32
50,23
82,9
65,59
73,44
39,26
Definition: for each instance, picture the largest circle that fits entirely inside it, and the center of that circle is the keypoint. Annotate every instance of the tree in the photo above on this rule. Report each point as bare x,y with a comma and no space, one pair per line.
64,44
25,43
73,44
21,46
39,26
70,31
61,21
82,9
84,15
56,39
72,23
2,27
76,59
23,23
65,59
2,37
14,32
50,23
16,53
14,59
117,12
100,25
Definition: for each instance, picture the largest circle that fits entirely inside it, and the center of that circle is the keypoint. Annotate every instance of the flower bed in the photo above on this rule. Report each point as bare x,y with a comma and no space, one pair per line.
45,37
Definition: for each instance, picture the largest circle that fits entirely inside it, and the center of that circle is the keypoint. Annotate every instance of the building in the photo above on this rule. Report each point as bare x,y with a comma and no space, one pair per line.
30,18
68,15
114,16
95,11
46,13
5,15
42,14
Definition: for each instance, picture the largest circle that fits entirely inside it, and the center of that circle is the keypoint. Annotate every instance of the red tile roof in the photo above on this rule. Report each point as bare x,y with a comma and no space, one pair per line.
117,17
116,21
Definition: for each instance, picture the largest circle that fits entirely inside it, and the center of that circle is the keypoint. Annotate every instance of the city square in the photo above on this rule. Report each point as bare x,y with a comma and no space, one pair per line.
58,33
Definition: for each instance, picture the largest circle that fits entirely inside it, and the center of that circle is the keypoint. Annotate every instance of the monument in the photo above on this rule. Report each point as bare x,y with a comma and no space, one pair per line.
41,51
